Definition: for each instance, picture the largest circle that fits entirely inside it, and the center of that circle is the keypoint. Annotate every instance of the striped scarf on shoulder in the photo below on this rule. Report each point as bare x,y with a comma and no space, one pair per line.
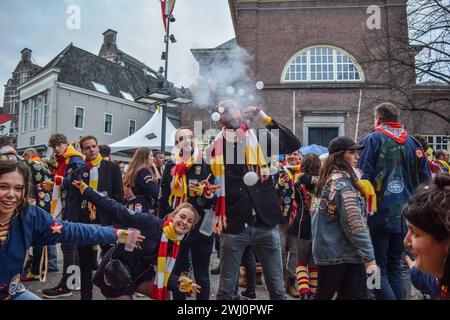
166,260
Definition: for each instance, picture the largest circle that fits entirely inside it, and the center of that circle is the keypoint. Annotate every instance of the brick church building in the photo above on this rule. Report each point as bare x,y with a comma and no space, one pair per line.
324,68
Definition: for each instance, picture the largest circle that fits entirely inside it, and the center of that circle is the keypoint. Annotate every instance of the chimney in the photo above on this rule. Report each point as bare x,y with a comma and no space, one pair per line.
109,48
26,55
109,37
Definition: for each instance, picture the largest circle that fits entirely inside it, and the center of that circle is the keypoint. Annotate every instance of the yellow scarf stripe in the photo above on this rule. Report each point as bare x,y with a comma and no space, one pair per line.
71,152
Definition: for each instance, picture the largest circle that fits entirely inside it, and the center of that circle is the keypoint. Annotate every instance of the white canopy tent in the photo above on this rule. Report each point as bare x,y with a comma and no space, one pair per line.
148,136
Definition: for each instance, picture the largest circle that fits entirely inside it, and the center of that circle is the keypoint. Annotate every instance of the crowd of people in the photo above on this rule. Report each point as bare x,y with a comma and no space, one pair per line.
316,226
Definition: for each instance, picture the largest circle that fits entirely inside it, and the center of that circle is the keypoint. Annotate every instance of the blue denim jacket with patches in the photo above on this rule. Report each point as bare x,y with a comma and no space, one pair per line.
339,229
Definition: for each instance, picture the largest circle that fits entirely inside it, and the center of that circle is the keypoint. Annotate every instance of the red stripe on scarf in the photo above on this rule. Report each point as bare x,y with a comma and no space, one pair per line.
393,130
62,166
162,293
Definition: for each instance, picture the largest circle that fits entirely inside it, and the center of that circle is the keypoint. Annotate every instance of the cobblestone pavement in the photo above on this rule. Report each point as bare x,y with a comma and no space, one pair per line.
54,277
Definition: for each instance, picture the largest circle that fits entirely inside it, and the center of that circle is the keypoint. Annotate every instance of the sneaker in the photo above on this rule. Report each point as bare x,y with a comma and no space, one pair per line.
30,277
247,295
56,292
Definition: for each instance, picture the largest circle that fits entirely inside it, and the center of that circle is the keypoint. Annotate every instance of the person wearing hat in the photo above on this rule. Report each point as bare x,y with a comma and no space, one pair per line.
396,164
342,248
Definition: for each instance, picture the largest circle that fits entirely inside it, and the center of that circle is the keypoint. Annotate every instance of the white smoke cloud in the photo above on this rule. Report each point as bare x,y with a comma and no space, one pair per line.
226,76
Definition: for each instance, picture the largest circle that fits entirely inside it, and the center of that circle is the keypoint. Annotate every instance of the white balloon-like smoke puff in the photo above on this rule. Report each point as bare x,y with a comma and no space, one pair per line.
215,116
250,178
230,90
260,85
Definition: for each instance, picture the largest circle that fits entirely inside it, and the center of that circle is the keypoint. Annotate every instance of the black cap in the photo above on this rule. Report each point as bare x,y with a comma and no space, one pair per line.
342,143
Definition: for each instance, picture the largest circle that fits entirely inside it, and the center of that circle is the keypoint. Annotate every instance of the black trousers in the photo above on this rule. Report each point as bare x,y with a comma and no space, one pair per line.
88,259
348,280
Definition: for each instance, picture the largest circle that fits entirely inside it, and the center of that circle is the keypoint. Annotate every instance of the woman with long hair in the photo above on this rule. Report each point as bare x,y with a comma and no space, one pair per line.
300,225
141,184
341,247
427,216
23,225
148,269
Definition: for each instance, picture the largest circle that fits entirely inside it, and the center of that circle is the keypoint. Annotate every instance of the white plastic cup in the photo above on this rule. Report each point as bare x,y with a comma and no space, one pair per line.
207,226
133,239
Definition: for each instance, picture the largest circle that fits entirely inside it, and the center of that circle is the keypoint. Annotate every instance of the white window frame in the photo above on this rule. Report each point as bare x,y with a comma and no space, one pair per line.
35,112
45,112
23,77
308,50
129,126
100,87
25,114
104,123
434,144
75,118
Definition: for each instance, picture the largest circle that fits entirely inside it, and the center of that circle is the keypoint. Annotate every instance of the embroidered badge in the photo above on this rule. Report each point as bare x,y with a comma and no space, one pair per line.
56,227
352,211
396,186
41,195
83,204
201,201
138,207
38,176
198,170
42,203
15,286
85,174
419,153
331,209
47,197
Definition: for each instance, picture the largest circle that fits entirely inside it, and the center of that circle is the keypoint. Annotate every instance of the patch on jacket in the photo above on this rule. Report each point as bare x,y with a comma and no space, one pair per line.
56,227
352,212
15,286
419,153
331,208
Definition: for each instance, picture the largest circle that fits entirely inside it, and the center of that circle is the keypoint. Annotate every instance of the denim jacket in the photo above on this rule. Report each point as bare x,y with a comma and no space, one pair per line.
339,229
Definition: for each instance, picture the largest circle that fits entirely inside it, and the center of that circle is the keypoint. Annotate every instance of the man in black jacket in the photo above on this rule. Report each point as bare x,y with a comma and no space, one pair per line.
251,212
105,177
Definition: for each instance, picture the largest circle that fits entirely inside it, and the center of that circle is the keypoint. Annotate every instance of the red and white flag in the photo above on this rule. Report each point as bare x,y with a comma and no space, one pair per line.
167,9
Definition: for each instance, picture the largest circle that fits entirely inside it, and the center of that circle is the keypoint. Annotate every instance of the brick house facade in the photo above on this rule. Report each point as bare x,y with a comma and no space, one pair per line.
320,64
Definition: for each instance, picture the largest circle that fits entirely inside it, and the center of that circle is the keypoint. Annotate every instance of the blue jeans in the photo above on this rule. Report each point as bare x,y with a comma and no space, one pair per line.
249,263
200,248
52,257
395,284
266,243
25,295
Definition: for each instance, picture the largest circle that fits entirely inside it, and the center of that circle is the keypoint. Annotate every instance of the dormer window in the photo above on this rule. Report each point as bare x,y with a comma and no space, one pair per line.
127,95
100,87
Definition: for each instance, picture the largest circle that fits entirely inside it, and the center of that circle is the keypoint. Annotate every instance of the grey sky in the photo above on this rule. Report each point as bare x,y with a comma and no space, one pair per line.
41,25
